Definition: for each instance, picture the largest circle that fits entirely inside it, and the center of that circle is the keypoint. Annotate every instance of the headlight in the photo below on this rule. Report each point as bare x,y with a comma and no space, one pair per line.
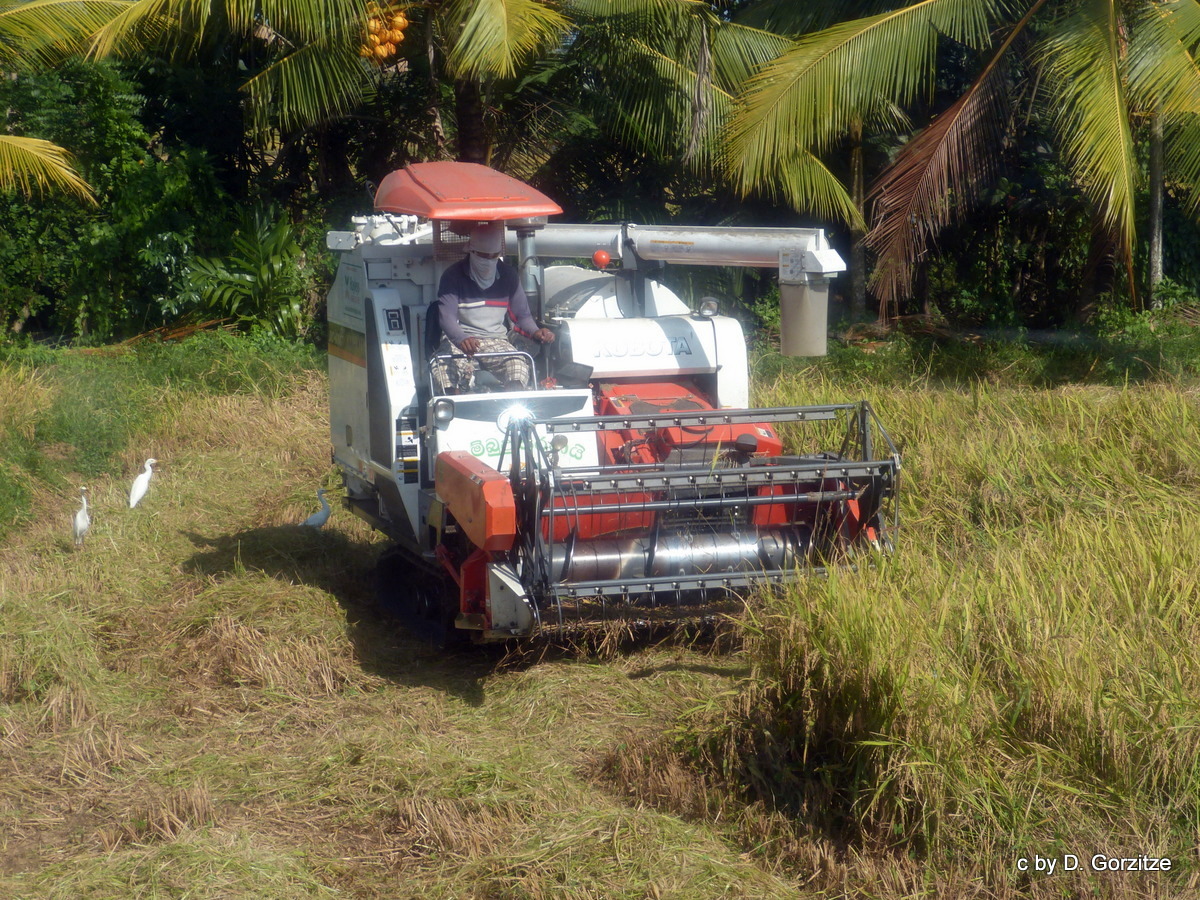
708,308
443,410
517,413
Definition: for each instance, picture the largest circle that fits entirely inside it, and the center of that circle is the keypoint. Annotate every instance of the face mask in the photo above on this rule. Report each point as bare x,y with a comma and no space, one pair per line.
483,271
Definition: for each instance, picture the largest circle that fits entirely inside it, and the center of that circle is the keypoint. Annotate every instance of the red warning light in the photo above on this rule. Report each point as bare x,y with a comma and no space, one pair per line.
601,258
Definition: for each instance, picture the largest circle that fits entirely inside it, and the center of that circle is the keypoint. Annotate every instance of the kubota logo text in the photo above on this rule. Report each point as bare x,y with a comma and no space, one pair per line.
673,346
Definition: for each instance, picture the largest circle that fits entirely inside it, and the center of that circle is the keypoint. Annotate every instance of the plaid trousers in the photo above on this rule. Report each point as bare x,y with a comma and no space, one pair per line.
459,372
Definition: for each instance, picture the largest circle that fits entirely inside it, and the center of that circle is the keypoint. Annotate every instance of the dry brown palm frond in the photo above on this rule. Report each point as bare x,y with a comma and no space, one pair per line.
931,181
178,331
934,174
699,95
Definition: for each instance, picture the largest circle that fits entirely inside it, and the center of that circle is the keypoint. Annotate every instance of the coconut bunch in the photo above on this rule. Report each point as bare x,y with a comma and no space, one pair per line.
384,32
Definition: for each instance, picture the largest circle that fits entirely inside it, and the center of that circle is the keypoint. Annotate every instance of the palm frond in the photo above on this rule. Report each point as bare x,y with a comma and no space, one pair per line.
1182,132
790,17
316,73
662,120
43,32
1162,57
244,15
668,90
32,166
740,51
811,94
301,22
497,35
318,81
936,176
701,85
933,180
135,27
662,11
1183,17
673,27
1086,80
810,188
539,115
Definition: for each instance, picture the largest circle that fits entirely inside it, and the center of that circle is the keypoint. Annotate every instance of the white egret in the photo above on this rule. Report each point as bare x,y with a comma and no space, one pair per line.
82,521
138,490
321,516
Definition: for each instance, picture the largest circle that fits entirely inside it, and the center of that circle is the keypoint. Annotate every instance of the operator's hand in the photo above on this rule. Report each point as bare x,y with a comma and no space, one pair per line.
544,336
470,346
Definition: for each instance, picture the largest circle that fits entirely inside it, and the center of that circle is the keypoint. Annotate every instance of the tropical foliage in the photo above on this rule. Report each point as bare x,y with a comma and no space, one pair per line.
1035,117
302,59
31,165
1091,68
263,282
97,269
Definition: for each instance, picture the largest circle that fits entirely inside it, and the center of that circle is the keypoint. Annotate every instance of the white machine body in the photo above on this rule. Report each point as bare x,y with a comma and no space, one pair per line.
389,422
384,440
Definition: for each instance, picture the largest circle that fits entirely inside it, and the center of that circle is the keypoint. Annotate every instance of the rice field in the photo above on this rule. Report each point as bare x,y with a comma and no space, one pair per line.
199,702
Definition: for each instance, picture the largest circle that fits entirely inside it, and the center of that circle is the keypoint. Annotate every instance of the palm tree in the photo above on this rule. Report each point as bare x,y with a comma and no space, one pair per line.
1095,65
27,164
664,76
310,67
689,59
795,19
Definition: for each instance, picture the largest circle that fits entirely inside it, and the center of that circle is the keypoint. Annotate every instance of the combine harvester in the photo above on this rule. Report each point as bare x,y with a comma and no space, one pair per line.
631,481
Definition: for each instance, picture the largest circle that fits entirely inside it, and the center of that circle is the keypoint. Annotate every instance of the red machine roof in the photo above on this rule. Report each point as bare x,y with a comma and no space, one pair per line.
459,190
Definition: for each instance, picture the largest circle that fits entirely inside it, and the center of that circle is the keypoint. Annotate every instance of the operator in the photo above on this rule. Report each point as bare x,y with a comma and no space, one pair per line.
476,297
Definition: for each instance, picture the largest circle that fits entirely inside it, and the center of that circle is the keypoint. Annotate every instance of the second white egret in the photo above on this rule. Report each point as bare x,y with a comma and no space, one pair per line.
82,521
321,516
140,484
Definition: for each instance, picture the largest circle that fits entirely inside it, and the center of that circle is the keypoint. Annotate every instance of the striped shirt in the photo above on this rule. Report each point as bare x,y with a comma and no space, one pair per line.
467,310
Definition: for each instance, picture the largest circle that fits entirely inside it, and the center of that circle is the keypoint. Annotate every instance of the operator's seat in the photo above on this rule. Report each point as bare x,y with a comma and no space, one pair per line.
485,380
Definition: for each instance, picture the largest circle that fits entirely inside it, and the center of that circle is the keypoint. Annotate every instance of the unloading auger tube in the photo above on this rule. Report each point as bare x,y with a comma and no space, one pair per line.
710,534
